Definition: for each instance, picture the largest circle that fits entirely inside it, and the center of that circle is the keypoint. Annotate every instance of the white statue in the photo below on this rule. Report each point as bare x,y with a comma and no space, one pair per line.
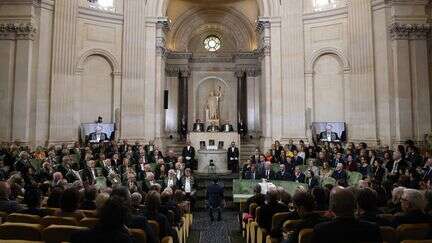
213,104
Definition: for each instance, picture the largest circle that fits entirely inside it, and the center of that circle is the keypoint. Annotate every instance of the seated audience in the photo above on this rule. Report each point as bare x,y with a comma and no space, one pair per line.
270,208
367,209
6,205
32,199
69,204
111,227
89,199
345,227
413,204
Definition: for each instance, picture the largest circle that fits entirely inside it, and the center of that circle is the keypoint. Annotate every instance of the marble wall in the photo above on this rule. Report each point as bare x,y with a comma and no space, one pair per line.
372,57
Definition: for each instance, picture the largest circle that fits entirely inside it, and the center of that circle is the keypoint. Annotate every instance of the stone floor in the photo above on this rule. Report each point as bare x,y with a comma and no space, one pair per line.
205,231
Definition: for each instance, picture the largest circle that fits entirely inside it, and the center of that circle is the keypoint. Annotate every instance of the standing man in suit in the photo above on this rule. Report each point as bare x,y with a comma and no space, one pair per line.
233,158
189,155
242,128
215,199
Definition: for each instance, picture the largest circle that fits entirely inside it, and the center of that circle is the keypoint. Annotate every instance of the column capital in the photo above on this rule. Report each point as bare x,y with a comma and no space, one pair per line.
19,31
185,73
239,73
402,31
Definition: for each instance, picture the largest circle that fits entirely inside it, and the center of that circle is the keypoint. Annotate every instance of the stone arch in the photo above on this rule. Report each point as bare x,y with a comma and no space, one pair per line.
115,66
328,50
266,8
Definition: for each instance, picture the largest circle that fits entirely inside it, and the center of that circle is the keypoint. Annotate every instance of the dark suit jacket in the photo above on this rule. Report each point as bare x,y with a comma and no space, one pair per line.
257,198
308,221
249,175
103,136
88,177
416,217
346,230
283,175
339,175
271,175
312,182
300,178
188,153
297,160
213,128
334,136
266,213
215,195
233,154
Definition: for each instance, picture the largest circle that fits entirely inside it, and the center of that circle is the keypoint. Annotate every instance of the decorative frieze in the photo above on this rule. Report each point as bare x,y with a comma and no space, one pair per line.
400,31
263,30
21,31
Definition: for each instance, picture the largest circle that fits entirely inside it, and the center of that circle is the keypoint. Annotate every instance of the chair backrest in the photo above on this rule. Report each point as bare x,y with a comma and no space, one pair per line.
20,231
155,226
49,220
59,233
288,225
413,231
23,218
90,213
416,241
138,235
3,216
388,234
278,219
305,236
257,213
252,208
88,222
167,239
51,211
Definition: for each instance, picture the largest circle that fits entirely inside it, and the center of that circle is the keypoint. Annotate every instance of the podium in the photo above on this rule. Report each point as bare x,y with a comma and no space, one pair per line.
213,146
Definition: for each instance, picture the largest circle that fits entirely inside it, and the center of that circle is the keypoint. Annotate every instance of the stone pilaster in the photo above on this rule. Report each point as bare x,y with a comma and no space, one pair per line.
134,97
63,123
411,86
361,121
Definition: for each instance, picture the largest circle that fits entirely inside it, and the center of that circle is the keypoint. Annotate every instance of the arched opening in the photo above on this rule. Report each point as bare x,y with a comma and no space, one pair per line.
328,88
96,94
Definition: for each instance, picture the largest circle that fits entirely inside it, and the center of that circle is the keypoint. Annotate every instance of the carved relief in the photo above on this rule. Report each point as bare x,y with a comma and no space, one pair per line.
20,31
409,31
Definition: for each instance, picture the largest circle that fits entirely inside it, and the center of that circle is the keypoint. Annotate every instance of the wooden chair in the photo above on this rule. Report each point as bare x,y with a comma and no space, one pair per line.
20,231
413,231
90,213
252,208
49,220
254,226
167,239
88,222
3,216
155,226
23,218
59,233
388,234
139,235
51,211
305,236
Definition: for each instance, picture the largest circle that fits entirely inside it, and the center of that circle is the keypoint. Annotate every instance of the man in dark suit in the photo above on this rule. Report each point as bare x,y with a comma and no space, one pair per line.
297,160
283,174
299,176
337,159
269,209
242,128
328,134
89,174
252,173
215,198
188,154
340,174
257,198
345,227
267,172
233,158
413,209
213,127
98,136
198,126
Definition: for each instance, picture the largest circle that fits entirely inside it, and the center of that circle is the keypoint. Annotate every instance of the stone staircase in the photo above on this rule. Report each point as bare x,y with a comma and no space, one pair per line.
247,149
175,145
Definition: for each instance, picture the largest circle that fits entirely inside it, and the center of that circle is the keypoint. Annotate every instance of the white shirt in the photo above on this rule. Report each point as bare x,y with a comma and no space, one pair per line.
187,188
93,173
178,173
170,182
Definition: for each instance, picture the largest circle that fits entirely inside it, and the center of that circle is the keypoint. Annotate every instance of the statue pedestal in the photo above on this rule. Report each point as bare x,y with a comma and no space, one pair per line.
219,158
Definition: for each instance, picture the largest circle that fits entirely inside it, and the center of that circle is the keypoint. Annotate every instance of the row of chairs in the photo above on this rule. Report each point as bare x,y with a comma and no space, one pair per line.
255,234
31,227
406,233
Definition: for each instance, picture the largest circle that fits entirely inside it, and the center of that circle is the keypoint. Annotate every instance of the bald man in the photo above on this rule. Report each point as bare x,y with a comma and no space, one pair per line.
345,227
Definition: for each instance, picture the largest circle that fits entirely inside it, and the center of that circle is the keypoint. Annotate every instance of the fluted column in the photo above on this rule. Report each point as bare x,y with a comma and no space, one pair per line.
251,99
161,28
263,29
241,93
134,63
362,120
183,104
63,122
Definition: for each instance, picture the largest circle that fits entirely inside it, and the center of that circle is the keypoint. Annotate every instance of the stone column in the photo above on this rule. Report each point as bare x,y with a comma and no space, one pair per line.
240,75
63,123
171,119
183,104
133,75
420,81
362,123
263,29
251,100
411,81
161,28
23,83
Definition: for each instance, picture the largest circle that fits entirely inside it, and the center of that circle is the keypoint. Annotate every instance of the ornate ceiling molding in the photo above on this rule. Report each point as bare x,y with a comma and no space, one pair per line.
17,31
195,24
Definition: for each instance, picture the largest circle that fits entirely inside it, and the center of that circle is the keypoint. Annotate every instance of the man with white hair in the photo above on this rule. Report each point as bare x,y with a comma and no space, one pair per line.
267,172
413,204
171,181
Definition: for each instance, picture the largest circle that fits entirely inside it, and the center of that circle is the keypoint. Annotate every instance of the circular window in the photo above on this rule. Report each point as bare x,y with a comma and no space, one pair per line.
212,43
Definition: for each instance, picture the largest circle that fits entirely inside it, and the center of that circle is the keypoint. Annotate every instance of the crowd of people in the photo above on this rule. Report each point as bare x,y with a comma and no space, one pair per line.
394,189
132,177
